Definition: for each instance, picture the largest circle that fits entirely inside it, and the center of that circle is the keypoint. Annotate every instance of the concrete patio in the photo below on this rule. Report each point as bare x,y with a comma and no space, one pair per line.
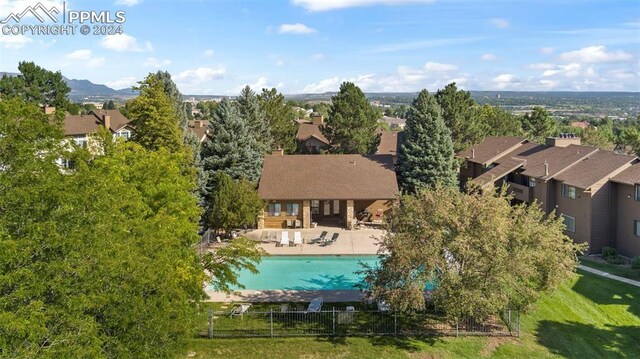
360,241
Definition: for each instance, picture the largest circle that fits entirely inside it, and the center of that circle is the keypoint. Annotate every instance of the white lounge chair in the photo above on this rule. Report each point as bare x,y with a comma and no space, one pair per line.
383,306
297,238
284,239
240,309
315,305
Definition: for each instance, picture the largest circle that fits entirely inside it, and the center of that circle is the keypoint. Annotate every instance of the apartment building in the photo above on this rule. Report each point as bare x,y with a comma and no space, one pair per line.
594,191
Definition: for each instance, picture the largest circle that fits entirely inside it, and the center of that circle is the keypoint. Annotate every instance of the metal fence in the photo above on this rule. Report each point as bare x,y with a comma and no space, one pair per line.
338,322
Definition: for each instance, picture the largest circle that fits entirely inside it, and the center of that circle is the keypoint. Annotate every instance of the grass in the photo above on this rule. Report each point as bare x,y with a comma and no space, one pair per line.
619,270
587,317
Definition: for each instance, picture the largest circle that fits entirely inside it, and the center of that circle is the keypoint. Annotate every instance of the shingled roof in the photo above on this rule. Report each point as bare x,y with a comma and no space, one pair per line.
307,130
596,167
86,124
389,143
630,176
306,177
557,159
491,148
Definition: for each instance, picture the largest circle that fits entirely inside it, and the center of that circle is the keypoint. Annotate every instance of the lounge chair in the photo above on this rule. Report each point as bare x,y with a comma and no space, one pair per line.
284,239
240,309
297,238
383,306
289,223
322,237
334,237
315,305
298,223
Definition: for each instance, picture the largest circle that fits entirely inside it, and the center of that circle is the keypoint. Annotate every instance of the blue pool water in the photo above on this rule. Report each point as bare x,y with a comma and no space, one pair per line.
306,273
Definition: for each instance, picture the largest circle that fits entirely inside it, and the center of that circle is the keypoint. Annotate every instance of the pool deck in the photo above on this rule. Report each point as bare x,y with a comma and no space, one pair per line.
361,241
285,296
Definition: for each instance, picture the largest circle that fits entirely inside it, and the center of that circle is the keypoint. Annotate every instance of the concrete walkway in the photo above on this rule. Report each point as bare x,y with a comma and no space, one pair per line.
609,275
285,296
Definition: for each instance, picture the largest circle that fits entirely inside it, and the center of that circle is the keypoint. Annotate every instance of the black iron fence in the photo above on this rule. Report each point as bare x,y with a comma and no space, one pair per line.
341,322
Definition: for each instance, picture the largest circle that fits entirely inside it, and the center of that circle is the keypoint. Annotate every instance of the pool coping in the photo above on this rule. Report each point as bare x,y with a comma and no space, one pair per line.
285,296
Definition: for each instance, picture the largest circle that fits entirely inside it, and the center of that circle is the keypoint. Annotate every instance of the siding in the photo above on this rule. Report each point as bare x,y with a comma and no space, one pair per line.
578,208
280,221
601,217
628,210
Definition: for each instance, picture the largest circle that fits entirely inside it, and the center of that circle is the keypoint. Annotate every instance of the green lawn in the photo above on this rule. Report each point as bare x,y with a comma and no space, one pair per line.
614,269
588,317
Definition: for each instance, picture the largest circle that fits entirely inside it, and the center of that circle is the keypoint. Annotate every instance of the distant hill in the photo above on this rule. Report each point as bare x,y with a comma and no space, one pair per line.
85,90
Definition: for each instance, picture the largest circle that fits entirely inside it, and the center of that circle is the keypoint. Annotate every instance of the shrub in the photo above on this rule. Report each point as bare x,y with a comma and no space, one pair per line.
615,260
635,262
609,252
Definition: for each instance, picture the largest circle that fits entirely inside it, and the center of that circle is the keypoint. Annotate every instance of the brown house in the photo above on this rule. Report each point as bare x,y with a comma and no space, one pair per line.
309,136
577,182
199,129
327,189
81,127
389,143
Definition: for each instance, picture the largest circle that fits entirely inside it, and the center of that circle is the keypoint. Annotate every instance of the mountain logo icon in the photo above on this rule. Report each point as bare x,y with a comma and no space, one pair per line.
38,11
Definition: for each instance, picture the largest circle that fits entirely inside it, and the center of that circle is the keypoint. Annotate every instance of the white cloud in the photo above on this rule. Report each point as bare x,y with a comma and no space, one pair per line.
547,50
127,2
155,63
83,54
595,54
297,28
326,85
208,53
124,82
413,45
488,57
503,81
261,83
96,62
542,66
318,57
14,41
326,5
500,23
439,67
124,42
202,74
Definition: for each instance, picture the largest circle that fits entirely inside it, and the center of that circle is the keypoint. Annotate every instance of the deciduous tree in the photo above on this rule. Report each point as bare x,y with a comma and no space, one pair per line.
481,254
38,85
233,204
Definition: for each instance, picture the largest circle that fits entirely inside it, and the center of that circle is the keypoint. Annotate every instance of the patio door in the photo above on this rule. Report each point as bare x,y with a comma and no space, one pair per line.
327,208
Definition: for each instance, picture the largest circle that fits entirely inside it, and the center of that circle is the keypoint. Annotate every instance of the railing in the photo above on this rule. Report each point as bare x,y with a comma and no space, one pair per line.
336,322
520,192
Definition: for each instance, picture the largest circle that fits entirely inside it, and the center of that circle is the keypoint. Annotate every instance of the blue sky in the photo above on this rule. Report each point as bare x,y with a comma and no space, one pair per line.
216,47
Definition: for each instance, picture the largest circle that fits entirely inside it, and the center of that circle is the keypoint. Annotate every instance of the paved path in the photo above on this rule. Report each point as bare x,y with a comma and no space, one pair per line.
285,296
609,275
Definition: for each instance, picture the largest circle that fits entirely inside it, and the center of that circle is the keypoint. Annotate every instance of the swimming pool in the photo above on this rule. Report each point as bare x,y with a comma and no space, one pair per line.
306,273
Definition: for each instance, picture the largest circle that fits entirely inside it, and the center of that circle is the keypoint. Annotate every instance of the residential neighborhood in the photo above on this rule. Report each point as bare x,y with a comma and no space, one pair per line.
319,179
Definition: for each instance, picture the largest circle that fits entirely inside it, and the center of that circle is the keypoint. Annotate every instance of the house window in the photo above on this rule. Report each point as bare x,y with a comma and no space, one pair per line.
292,209
636,228
126,134
81,141
274,209
569,223
336,206
568,191
637,192
315,207
532,182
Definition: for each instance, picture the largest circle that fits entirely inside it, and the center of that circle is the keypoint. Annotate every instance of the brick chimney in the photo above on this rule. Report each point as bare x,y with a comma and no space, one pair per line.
48,110
317,118
278,152
199,124
106,119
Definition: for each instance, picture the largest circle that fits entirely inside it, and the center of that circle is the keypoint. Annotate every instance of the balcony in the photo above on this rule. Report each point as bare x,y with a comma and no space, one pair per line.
520,192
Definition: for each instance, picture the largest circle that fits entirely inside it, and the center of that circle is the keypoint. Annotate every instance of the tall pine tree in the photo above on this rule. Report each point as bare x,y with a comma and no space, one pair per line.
459,112
539,125
254,116
232,148
426,156
281,119
352,122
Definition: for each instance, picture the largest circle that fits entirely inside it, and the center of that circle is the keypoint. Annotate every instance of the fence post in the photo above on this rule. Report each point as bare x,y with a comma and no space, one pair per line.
518,323
395,324
334,320
271,321
210,323
457,330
